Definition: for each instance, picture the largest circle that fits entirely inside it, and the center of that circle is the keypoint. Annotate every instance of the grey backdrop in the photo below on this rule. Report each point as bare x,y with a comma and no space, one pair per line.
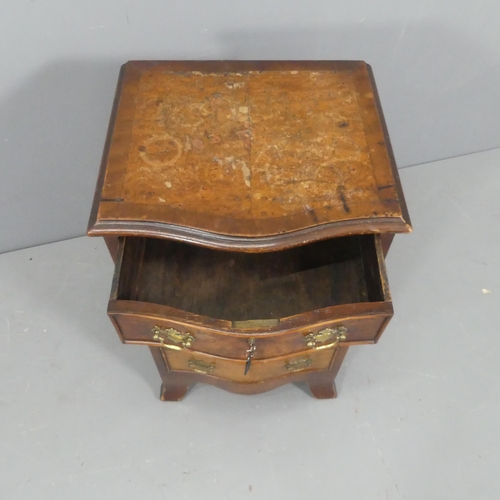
436,65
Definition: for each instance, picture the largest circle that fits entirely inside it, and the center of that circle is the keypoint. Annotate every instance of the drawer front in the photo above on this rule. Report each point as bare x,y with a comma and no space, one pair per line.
234,369
171,335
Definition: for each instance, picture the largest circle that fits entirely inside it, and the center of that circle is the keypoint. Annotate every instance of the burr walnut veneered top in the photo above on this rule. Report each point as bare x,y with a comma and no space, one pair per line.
247,155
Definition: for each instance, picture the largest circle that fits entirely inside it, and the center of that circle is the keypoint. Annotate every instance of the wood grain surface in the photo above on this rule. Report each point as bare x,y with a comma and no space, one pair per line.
249,155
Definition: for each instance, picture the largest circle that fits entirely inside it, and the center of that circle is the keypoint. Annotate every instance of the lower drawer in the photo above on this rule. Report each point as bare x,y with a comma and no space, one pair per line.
234,369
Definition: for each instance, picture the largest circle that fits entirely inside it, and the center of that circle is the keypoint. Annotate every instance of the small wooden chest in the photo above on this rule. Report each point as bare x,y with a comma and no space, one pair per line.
248,207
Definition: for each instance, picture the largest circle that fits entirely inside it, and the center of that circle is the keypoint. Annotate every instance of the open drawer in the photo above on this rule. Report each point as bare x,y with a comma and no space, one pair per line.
316,296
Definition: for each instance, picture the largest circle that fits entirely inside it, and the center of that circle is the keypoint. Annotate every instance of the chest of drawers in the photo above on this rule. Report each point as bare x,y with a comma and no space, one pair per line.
248,207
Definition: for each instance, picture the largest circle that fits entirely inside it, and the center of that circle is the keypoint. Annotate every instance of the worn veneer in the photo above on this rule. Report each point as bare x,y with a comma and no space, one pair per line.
249,206
254,155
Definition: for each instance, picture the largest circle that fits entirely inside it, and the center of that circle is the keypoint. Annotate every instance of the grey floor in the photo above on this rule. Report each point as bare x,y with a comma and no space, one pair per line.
417,416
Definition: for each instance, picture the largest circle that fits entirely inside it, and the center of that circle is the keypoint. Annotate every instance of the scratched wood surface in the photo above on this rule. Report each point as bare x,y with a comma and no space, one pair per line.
247,150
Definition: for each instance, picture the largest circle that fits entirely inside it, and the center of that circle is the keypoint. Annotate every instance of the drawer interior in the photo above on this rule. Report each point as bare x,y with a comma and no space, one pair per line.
239,286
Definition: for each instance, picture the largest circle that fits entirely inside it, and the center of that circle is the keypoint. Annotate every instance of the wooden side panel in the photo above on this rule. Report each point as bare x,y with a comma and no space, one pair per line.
386,240
112,242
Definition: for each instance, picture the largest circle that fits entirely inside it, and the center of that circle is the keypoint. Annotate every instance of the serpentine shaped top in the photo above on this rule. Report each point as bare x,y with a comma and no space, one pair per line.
247,155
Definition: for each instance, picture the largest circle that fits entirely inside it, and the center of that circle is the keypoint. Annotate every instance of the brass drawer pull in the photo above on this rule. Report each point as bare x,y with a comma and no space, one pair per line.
200,366
172,335
298,364
338,333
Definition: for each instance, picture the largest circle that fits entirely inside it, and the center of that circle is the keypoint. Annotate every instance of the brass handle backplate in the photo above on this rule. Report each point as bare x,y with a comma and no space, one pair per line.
172,335
339,333
200,366
298,364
